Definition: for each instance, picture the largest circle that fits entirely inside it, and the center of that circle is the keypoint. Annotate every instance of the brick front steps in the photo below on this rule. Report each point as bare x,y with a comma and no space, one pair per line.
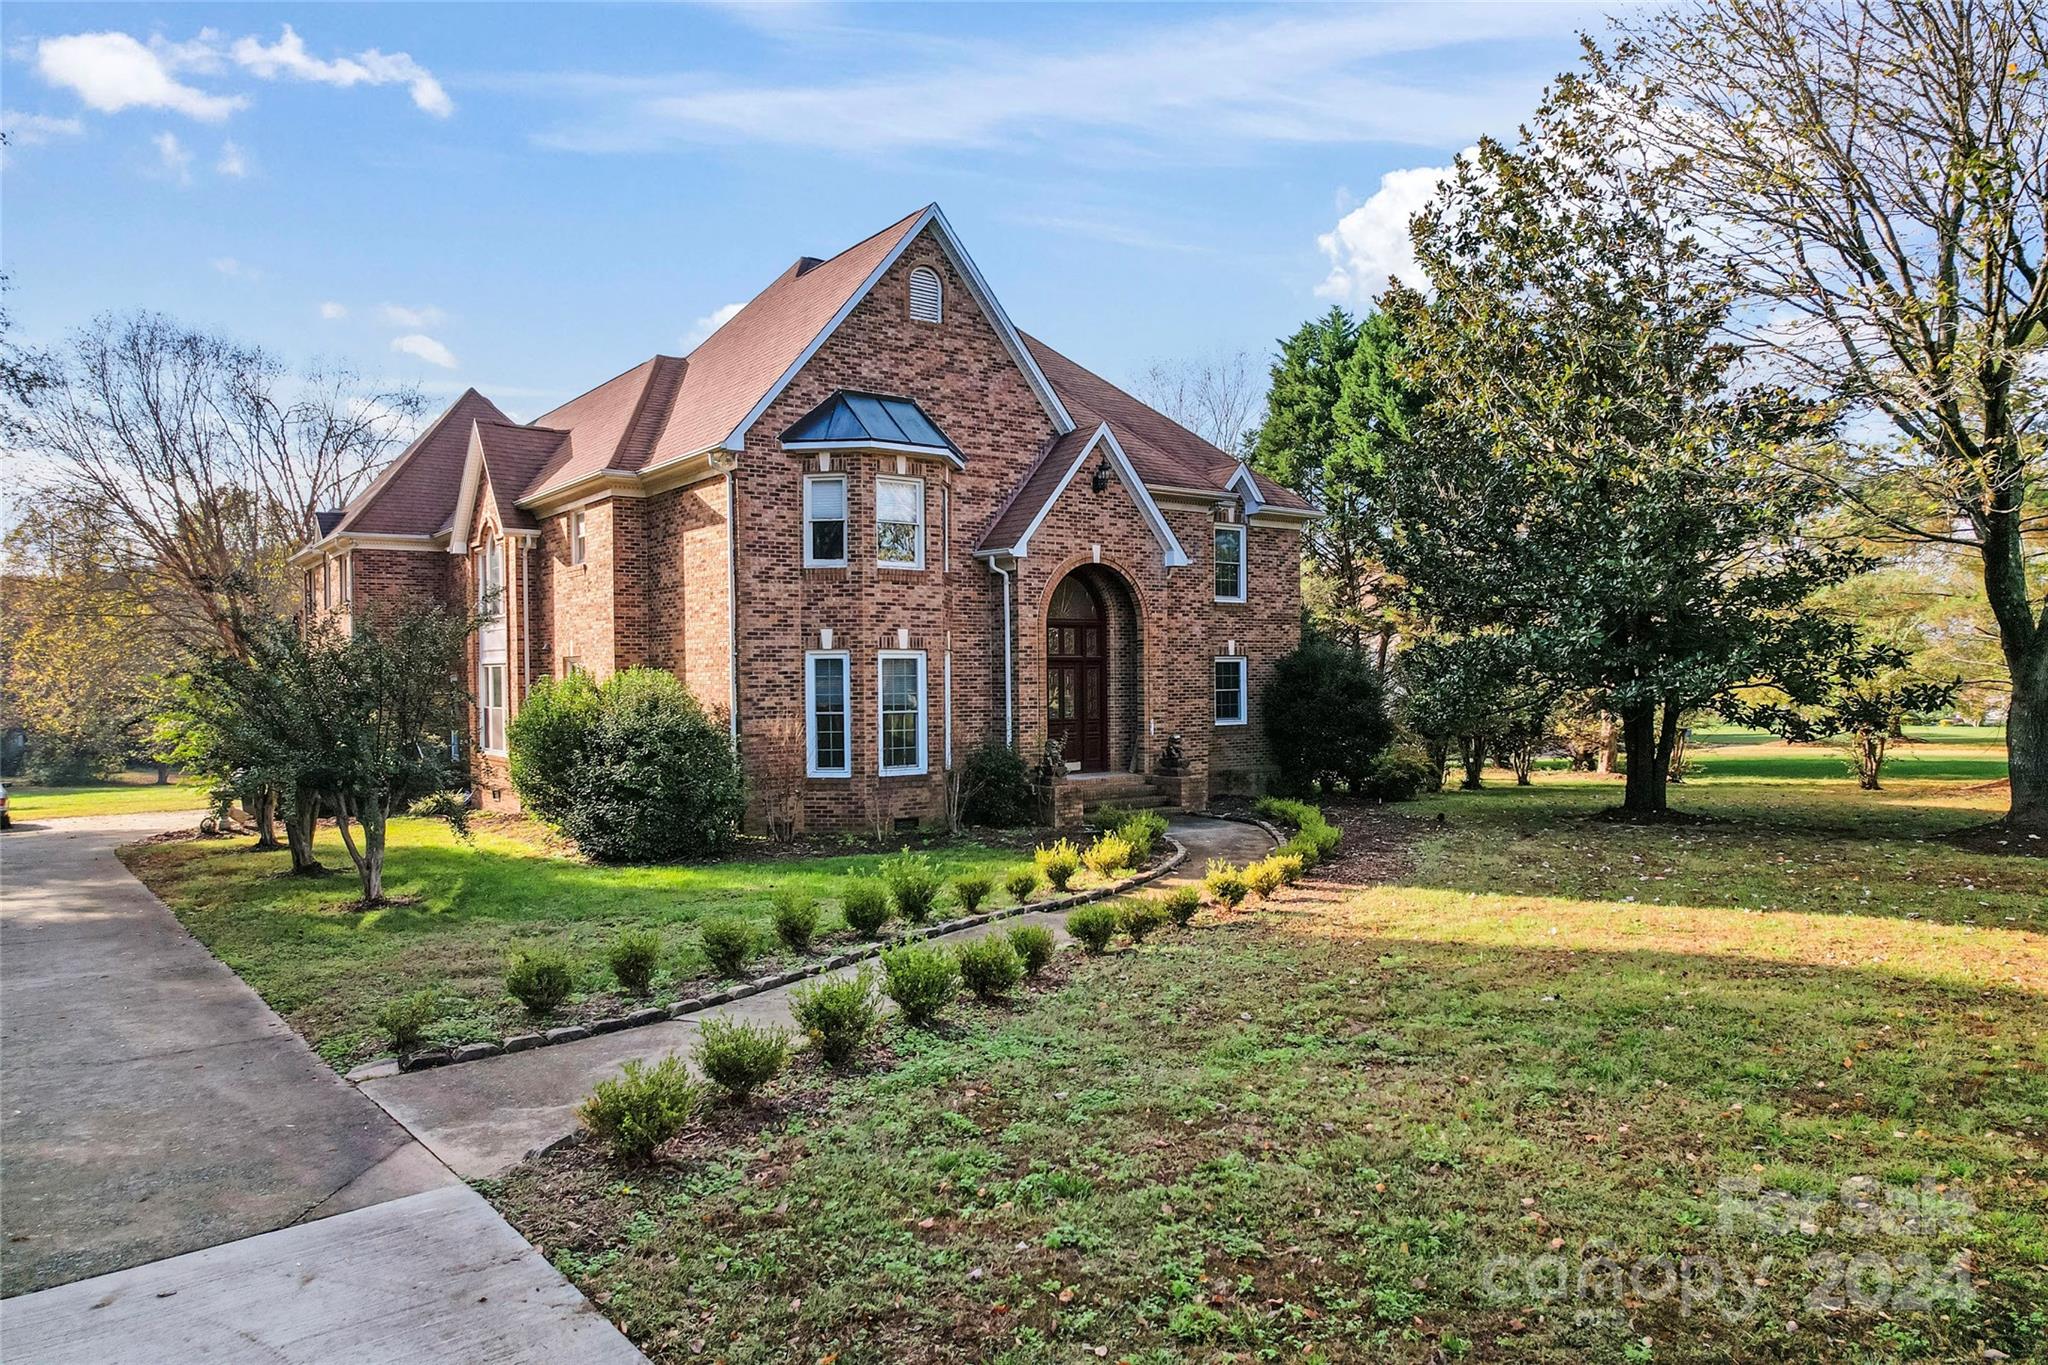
521,1042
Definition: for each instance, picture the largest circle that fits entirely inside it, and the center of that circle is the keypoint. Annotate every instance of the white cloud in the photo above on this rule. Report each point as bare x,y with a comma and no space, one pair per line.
425,348
232,161
288,59
32,130
1204,88
173,161
709,323
236,270
1370,245
112,72
414,318
332,311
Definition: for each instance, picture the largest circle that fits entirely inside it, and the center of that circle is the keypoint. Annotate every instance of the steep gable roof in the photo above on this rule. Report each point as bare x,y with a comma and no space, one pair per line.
415,493
510,457
708,399
1165,453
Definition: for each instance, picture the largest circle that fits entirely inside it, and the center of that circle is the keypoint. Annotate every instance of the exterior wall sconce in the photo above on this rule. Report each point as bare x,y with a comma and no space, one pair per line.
1101,480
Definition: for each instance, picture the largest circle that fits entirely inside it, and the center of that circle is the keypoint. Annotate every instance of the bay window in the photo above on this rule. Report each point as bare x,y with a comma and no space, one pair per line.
825,521
899,523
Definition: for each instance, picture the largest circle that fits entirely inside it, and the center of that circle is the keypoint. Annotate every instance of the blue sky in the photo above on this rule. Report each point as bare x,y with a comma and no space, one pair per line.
532,198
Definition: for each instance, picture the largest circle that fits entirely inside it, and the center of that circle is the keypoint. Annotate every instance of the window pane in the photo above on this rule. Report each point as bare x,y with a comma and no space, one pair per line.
1228,695
896,542
902,713
828,498
1229,562
828,714
828,540
897,500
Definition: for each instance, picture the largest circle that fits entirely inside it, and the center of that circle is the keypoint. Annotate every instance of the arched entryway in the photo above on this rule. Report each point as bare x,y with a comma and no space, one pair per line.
1091,670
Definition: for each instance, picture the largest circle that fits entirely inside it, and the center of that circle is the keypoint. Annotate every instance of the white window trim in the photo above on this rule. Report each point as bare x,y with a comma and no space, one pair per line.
1243,550
918,562
845,520
811,768
923,716
1244,689
503,708
579,546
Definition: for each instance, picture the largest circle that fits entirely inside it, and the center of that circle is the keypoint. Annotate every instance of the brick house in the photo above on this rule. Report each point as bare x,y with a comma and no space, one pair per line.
871,525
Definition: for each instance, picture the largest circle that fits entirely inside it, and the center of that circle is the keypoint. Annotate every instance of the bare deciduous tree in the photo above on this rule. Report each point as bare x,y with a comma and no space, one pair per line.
1877,173
1215,396
206,458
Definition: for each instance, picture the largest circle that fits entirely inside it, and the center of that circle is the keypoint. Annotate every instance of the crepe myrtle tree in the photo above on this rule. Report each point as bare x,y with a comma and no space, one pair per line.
1586,477
1873,175
353,723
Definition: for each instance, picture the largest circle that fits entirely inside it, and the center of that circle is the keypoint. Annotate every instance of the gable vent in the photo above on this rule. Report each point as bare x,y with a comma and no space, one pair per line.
925,301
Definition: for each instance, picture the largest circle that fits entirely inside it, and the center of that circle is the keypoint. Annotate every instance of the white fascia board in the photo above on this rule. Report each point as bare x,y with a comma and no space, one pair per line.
736,439
465,499
1170,546
881,447
993,306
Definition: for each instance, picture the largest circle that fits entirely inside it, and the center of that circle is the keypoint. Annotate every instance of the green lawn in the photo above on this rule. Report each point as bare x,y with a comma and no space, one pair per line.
133,794
327,966
1386,1115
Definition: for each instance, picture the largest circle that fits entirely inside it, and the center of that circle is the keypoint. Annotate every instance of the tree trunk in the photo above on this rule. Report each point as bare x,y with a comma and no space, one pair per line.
1523,757
369,858
1472,750
1608,738
1644,794
1869,758
163,774
300,820
265,816
1439,750
2026,744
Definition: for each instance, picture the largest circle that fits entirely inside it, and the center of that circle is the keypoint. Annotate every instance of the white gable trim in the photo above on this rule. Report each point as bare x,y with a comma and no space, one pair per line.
465,500
1174,555
1243,482
736,440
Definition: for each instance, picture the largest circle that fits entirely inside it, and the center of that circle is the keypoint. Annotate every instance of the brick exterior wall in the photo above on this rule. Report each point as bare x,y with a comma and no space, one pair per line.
654,585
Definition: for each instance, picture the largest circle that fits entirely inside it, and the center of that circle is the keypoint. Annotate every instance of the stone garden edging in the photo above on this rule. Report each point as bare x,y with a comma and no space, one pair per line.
661,1014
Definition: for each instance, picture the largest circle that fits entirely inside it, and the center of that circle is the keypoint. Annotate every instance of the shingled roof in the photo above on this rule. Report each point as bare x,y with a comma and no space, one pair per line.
669,408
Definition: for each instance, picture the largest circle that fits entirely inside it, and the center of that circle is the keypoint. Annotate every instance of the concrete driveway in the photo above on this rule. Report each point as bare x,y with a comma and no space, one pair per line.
152,1106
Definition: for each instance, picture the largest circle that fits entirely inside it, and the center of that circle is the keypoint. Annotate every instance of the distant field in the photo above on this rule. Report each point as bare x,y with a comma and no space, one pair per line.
1928,753
130,793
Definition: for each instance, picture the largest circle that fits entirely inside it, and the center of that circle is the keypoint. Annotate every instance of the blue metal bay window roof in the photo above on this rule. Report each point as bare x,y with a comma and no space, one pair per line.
870,421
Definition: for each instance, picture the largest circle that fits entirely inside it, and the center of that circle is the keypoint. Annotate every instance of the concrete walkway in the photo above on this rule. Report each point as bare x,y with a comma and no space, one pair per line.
151,1105
483,1118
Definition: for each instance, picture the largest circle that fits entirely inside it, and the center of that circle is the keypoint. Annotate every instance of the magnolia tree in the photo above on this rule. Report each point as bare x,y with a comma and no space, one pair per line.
1587,478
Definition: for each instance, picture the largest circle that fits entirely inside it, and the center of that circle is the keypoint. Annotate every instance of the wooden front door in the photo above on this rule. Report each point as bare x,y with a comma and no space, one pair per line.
1076,676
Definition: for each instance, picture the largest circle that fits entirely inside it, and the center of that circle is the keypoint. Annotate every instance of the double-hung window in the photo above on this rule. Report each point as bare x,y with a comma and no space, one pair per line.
1230,563
901,706
825,521
899,523
491,703
1232,703
579,544
827,751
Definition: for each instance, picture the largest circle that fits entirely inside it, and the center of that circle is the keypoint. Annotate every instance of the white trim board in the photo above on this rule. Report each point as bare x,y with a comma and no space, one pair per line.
1174,555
